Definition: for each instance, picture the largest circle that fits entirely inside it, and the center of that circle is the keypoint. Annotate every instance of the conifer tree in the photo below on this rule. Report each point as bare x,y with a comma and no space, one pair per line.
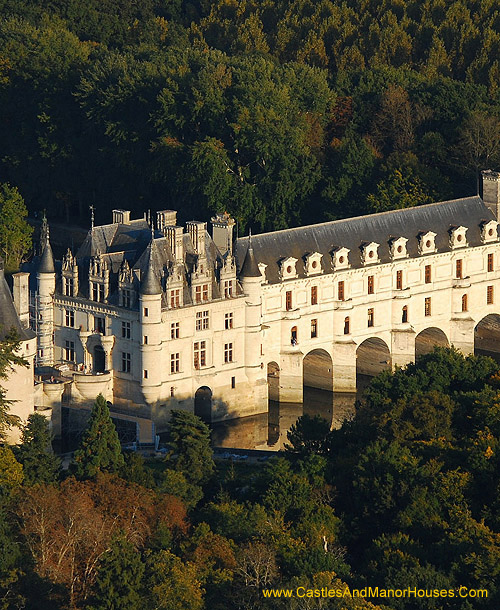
100,449
118,581
35,453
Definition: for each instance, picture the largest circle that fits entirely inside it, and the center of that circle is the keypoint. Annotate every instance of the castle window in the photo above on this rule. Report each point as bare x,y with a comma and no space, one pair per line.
69,318
200,354
145,340
126,298
404,315
202,320
126,359
99,325
314,329
146,312
490,262
314,295
427,306
68,285
175,362
340,291
233,382
145,374
172,391
293,336
125,330
228,353
428,274
489,295
371,284
201,293
228,289
228,321
347,326
97,292
399,280
458,269
464,302
371,317
174,330
288,300
69,351
204,295
175,298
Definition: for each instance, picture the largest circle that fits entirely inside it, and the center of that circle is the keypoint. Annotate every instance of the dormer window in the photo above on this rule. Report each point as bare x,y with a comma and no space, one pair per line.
313,263
340,258
426,243
489,231
458,237
398,248
288,268
369,253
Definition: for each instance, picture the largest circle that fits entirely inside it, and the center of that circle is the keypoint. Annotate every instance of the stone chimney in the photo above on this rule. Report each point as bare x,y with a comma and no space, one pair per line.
174,237
222,232
166,218
491,191
21,297
121,217
197,231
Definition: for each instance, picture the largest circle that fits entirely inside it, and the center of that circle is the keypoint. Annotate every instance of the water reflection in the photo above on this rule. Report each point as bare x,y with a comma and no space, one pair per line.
268,431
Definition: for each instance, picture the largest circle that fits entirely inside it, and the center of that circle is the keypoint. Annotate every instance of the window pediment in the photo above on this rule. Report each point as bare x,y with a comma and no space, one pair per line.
288,268
458,237
427,242
489,231
313,263
398,248
369,253
340,258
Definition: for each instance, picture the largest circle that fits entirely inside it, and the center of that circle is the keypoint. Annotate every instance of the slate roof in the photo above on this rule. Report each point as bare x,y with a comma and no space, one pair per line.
8,314
351,233
47,260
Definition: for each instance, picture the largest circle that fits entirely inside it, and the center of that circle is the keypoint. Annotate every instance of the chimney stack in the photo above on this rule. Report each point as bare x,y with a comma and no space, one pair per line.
491,191
21,297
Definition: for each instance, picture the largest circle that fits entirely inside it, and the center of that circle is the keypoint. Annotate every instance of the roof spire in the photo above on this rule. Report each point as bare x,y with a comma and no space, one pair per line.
150,283
250,268
47,259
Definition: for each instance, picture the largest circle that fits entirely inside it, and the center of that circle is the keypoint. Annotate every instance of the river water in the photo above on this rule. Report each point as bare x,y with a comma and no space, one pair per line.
268,431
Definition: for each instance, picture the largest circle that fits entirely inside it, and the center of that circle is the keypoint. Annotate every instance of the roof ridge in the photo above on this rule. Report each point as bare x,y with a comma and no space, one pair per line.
363,216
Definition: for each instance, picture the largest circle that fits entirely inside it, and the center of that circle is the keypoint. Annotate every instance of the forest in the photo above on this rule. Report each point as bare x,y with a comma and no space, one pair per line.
281,112
407,494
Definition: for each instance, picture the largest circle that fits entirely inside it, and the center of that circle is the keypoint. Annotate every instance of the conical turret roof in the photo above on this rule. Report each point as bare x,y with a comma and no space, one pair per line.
250,268
150,283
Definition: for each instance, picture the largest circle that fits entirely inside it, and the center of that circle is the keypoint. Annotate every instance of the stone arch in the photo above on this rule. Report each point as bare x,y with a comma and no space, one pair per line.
273,381
428,339
317,370
487,337
372,357
203,403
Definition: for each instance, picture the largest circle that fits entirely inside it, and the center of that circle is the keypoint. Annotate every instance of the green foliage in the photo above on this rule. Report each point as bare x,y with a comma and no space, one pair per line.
100,449
191,453
40,465
308,435
15,232
11,471
119,579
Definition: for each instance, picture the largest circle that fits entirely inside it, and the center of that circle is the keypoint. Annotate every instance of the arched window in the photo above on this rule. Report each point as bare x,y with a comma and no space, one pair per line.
293,337
347,326
464,302
404,316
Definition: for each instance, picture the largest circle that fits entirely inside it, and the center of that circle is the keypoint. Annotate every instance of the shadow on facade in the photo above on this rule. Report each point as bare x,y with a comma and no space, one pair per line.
487,337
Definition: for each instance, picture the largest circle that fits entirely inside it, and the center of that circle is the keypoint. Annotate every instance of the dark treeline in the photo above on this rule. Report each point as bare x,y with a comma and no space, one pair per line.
279,112
407,495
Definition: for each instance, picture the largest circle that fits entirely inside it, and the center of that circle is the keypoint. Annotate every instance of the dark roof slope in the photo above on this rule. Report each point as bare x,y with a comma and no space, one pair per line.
47,260
351,233
8,314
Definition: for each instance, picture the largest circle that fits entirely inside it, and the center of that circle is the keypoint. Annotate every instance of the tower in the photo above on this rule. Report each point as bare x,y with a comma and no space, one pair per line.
46,284
251,279
150,321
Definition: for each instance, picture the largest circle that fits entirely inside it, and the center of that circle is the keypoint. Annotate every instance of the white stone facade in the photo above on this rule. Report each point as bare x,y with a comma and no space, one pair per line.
175,325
